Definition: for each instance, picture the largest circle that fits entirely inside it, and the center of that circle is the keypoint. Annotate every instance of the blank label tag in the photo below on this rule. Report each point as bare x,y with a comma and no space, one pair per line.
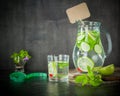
78,12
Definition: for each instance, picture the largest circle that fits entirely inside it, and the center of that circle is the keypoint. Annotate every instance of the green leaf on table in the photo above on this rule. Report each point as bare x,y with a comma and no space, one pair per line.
90,78
82,79
96,81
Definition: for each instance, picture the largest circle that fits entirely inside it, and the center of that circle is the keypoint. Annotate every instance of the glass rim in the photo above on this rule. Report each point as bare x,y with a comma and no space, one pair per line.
86,22
50,55
63,55
58,55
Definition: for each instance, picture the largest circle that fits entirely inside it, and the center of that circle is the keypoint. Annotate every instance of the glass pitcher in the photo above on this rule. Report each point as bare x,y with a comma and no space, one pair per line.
89,49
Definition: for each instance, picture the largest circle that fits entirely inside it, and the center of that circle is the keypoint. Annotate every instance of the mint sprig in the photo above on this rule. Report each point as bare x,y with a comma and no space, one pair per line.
91,78
22,55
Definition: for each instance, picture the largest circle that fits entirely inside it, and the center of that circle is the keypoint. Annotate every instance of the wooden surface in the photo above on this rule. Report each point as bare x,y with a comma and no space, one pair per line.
113,78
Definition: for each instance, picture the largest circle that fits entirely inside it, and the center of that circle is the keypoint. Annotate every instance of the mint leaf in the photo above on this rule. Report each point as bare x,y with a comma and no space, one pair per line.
90,73
97,80
91,78
94,78
82,79
20,56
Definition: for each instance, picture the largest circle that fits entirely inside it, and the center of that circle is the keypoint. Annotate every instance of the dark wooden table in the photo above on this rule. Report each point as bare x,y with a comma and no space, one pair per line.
38,86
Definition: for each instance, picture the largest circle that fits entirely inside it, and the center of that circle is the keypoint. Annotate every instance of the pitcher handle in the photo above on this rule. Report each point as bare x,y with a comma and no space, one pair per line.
108,37
109,44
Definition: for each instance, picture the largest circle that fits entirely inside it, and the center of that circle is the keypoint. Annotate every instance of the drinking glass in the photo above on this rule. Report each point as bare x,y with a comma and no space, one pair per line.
52,68
62,62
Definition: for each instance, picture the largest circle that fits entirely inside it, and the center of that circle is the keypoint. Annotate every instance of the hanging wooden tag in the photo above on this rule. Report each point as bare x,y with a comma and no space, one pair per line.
78,12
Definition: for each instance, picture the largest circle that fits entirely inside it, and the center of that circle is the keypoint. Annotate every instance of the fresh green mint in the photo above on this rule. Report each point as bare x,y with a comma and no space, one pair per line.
22,55
91,78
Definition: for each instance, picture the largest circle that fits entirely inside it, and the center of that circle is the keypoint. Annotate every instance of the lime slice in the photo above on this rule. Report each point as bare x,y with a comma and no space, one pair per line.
96,69
85,46
83,62
107,70
98,49
80,37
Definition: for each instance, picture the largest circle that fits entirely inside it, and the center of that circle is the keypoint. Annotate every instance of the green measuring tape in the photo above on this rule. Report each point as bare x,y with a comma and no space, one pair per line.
21,77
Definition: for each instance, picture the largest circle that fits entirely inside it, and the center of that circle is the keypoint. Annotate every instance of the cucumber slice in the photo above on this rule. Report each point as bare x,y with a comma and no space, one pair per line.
98,49
83,62
85,46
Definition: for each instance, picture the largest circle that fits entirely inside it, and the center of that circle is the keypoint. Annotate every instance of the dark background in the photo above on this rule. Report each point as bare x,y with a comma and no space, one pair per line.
42,28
